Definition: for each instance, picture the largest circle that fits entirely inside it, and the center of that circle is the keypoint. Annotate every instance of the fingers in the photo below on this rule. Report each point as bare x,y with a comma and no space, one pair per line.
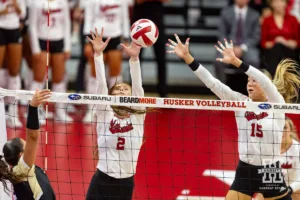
89,39
187,42
177,39
219,59
170,52
170,46
226,43
221,45
231,43
107,40
102,32
92,34
123,46
218,49
96,31
172,42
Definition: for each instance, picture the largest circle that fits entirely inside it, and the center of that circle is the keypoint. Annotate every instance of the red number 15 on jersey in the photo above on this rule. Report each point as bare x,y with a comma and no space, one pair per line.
256,130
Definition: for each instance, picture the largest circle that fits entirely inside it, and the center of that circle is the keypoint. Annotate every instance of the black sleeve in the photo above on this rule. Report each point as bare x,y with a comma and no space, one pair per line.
244,67
33,118
194,65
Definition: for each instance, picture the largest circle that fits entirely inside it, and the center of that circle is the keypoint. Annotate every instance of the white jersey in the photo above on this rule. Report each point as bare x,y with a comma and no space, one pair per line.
11,20
119,140
259,134
60,23
112,15
290,164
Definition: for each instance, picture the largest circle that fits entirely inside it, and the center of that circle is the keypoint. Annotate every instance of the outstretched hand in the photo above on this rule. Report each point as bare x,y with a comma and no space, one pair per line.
40,97
227,51
133,50
97,42
181,50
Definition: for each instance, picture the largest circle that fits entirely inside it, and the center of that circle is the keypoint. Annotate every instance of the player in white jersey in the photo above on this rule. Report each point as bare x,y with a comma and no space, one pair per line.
112,15
259,134
59,46
120,130
290,160
11,11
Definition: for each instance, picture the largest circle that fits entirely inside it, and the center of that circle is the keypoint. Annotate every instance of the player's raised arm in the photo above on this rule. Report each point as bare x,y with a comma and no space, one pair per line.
33,126
135,69
99,45
220,89
229,58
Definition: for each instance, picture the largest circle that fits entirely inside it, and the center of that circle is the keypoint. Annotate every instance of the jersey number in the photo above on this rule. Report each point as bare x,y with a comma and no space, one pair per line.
121,143
256,132
110,17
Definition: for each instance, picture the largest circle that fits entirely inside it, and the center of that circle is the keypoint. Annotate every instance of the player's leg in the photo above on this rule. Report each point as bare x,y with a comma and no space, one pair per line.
58,63
27,54
259,196
3,82
114,62
13,64
96,186
234,195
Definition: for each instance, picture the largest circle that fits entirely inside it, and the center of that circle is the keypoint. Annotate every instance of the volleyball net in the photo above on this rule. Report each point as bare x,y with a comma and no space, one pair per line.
190,150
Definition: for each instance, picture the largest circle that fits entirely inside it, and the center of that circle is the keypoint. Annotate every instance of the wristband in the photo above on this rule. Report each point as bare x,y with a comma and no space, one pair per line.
245,67
33,118
194,65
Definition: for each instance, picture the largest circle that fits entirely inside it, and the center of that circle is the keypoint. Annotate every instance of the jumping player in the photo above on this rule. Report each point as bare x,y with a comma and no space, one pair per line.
260,134
112,15
11,50
59,46
290,155
29,181
120,129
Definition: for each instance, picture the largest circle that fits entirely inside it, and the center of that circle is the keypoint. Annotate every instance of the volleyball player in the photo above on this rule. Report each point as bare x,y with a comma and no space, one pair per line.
59,46
290,155
29,181
11,50
120,129
260,135
113,16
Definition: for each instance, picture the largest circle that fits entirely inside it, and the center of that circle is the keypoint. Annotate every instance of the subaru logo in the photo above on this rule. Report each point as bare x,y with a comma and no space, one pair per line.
74,96
265,106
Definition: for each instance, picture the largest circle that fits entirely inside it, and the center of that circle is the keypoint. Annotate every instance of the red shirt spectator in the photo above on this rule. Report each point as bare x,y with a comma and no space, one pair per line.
289,30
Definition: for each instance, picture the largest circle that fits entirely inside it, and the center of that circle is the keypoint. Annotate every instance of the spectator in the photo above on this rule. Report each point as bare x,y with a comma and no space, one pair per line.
240,24
154,11
280,35
260,6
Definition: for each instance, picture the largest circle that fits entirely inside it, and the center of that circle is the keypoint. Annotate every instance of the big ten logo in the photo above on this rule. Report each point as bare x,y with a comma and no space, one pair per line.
271,172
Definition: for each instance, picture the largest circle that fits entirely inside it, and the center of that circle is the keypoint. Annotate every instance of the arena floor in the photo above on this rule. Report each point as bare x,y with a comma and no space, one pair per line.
188,155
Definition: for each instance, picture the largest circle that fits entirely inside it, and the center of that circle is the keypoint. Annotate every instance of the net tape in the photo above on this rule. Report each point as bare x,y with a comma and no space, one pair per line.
198,104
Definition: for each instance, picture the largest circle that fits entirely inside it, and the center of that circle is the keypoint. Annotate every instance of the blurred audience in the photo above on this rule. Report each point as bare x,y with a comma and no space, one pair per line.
154,11
280,35
239,23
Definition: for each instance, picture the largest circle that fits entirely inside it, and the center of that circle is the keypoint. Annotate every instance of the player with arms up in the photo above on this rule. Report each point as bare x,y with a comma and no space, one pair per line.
259,135
120,129
29,181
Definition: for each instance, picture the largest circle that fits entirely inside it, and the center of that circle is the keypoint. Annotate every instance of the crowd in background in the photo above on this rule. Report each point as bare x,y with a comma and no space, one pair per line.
264,32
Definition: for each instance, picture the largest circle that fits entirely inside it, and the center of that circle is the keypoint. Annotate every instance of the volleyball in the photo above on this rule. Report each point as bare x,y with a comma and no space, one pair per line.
144,33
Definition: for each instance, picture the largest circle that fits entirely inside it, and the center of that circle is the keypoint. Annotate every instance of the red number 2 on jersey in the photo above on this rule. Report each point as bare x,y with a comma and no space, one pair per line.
256,132
121,143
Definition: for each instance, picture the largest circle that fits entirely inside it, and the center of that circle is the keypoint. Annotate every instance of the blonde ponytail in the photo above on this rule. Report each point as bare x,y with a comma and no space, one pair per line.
294,132
287,80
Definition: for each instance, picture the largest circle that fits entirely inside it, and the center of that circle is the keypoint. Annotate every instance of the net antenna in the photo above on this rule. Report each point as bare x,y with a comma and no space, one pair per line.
47,87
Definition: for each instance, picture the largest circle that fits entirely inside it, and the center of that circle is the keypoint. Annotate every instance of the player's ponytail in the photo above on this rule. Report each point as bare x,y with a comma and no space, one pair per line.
6,174
287,80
